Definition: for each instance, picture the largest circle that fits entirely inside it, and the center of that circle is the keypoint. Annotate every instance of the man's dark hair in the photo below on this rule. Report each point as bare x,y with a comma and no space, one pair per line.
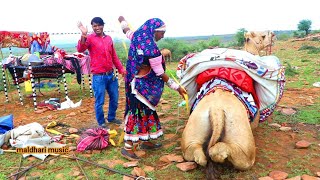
97,20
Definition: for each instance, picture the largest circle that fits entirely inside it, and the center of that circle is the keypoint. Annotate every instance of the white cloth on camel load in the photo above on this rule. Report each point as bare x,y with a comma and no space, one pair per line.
266,71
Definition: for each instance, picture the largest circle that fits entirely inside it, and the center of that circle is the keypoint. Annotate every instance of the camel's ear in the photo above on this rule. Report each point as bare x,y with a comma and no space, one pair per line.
247,34
253,34
272,34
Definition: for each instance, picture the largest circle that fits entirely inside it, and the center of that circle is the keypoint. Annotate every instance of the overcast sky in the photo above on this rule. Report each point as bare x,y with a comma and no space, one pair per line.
182,17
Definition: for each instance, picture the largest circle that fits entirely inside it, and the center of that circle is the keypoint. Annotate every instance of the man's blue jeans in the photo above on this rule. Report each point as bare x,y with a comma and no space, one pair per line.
35,47
101,83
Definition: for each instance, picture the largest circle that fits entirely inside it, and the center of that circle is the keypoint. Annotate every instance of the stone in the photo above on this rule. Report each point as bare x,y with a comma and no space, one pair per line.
288,111
187,166
302,144
278,175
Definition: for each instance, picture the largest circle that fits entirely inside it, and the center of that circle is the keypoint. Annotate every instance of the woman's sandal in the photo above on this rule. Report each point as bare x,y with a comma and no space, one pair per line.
150,147
127,155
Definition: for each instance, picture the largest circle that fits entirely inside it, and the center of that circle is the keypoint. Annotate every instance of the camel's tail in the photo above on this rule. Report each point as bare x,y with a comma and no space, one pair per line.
217,119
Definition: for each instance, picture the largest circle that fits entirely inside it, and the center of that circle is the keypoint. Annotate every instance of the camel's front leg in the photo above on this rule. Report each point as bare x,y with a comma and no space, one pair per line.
194,152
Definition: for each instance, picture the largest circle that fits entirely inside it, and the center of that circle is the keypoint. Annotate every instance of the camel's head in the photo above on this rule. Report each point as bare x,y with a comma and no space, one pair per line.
256,41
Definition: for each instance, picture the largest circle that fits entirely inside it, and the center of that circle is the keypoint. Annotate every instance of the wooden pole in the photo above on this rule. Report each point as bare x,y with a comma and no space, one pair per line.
34,91
4,82
65,82
17,84
90,86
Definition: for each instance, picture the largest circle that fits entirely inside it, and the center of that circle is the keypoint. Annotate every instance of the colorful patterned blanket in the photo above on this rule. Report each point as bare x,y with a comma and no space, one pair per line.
266,71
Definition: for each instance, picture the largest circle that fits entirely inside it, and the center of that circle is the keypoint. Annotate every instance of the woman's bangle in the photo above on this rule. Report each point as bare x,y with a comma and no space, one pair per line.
124,25
84,35
172,85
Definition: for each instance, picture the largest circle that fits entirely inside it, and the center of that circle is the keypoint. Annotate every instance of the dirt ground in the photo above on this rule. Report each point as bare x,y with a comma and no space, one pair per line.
275,148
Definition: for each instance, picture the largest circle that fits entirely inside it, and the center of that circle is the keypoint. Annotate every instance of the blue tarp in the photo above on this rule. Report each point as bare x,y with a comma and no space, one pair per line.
6,123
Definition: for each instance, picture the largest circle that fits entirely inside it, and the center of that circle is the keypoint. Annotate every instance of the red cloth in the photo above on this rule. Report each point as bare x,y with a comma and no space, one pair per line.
42,38
102,53
22,39
238,77
14,39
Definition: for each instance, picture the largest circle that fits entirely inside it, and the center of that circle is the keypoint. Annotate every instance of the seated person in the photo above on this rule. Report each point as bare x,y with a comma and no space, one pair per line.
35,47
41,45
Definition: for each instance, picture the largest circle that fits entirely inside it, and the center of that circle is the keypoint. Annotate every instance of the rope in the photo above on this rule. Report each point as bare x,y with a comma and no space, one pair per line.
19,175
34,165
178,118
82,170
96,164
186,97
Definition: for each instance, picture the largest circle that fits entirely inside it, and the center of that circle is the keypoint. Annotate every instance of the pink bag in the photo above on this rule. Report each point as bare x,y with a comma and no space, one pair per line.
94,138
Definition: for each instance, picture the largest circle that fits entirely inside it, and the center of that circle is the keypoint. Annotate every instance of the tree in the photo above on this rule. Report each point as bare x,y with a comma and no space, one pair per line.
305,25
240,36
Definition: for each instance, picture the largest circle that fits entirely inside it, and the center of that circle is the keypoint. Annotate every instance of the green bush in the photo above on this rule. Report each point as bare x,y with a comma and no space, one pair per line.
178,48
283,37
305,47
214,42
314,51
122,49
299,34
239,37
311,49
290,71
315,39
315,31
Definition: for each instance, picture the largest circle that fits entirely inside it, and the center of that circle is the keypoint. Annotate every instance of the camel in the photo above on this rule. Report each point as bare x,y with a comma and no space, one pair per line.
221,123
166,53
222,115
256,41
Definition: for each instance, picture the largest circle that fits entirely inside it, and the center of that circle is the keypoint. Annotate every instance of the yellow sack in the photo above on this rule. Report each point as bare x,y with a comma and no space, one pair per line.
27,86
112,134
121,138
